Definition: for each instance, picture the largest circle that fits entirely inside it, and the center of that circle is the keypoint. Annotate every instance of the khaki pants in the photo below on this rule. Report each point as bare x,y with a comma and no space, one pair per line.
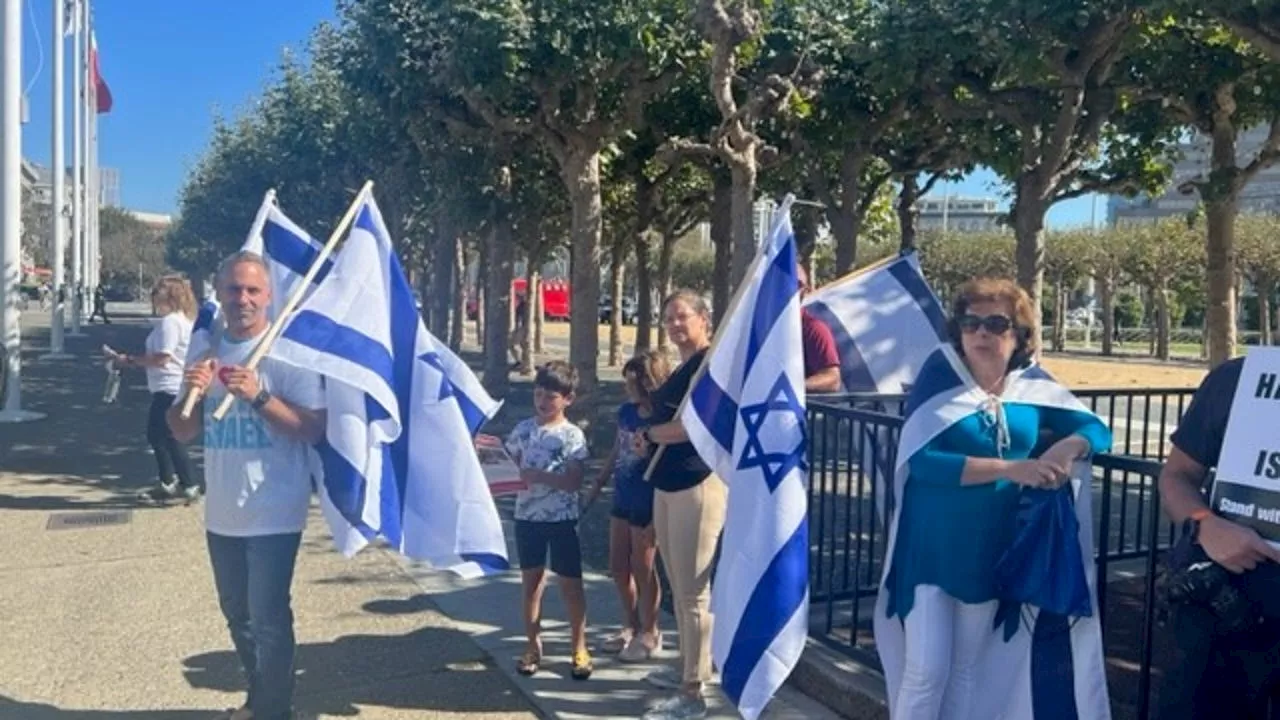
687,524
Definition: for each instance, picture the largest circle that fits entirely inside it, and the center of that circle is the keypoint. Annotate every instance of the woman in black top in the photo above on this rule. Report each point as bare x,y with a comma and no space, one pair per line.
688,512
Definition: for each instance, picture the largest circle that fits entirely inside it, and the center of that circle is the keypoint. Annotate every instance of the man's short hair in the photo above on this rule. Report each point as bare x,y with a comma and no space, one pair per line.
557,376
236,258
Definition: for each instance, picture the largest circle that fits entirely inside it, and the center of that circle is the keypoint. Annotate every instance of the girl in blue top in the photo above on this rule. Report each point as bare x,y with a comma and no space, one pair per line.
632,543
958,506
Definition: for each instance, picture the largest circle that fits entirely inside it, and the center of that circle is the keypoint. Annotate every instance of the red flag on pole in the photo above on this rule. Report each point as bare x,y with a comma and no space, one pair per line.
100,90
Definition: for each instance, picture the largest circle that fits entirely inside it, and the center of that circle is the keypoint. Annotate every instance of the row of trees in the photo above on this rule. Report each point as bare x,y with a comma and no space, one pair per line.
514,128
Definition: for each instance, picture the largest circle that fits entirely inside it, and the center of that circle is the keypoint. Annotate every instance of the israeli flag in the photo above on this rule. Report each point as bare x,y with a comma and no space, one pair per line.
399,460
1022,667
288,252
746,417
886,320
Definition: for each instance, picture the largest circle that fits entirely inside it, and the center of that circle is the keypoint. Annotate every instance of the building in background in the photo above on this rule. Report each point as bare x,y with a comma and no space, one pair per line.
959,214
41,183
1262,195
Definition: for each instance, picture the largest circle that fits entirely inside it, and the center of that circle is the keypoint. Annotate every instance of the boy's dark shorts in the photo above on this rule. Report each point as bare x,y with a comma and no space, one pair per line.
536,540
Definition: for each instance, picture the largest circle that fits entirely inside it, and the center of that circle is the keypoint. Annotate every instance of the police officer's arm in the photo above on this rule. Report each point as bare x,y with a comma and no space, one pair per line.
1235,547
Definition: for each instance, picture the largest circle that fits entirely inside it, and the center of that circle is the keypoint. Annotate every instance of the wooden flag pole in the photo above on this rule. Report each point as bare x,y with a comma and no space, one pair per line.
715,342
277,325
193,395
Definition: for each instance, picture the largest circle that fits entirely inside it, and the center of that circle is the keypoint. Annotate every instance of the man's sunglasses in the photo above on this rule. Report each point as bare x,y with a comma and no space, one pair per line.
995,324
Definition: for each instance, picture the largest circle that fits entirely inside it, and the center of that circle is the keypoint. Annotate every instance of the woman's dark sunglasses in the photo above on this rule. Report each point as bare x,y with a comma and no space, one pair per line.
995,324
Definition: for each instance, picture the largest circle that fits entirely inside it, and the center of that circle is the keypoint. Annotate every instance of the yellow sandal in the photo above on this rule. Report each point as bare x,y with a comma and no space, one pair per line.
582,667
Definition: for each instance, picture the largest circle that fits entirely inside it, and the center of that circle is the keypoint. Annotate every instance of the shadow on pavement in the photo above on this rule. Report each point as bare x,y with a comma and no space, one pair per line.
11,708
338,677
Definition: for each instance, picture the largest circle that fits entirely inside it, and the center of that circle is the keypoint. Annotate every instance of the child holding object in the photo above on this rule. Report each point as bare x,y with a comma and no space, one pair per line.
550,450
632,542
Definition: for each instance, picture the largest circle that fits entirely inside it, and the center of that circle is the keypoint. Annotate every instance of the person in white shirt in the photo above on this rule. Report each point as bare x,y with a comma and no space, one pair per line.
258,483
174,306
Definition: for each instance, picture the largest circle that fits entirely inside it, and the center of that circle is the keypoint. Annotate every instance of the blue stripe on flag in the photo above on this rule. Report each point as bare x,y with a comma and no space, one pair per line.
204,319
915,285
1053,695
347,496
777,287
937,375
773,602
404,332
322,333
854,373
282,246
718,411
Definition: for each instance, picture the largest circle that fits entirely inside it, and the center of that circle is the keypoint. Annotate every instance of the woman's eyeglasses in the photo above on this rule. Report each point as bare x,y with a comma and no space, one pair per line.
995,324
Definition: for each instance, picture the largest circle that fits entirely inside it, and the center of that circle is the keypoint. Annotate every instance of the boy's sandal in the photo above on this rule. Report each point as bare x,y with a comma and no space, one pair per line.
582,667
528,663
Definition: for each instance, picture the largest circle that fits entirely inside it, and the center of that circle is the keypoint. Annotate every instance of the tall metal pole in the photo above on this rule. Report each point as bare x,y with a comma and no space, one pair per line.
10,210
77,173
91,143
58,205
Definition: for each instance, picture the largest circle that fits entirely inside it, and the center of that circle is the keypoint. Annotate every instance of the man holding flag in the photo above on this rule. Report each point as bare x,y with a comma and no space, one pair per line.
257,479
746,417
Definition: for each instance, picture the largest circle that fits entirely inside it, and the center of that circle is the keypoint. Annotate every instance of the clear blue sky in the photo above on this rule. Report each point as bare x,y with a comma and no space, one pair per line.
171,65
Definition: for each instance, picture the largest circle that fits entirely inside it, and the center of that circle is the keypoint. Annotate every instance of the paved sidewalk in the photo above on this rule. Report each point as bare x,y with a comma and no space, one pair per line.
121,621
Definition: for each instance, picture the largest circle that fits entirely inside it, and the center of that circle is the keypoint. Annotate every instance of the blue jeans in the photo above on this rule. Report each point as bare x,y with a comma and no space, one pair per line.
253,575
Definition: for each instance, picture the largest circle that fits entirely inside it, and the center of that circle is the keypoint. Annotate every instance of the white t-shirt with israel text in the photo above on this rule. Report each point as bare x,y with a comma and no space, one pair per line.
258,481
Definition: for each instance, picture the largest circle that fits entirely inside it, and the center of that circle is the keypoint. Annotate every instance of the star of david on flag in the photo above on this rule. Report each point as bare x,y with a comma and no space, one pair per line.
782,407
745,415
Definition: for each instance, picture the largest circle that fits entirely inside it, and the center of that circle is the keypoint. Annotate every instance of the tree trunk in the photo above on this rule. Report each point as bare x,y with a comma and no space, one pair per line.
644,274
530,310
440,292
745,246
1264,290
482,295
1059,316
458,328
581,172
908,196
1107,289
847,218
664,283
723,240
1162,321
644,291
499,256
615,292
1028,220
539,313
1220,314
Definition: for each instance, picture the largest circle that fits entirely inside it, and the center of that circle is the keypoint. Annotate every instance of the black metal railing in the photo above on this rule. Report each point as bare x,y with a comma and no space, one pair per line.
852,447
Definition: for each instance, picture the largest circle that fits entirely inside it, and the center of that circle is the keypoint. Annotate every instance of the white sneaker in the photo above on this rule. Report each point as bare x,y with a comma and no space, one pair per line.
665,677
640,649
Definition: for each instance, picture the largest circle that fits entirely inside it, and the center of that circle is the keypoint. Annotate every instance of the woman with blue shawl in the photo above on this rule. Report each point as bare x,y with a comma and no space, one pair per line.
985,605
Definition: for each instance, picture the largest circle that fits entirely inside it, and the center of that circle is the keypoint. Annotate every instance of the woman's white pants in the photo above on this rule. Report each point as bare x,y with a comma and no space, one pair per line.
945,641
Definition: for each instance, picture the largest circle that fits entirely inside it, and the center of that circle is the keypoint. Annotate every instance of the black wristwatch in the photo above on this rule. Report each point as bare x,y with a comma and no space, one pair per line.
261,399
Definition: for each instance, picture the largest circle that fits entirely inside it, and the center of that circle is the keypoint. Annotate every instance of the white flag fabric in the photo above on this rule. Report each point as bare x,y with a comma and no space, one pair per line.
885,322
288,252
746,416
399,460
1068,672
